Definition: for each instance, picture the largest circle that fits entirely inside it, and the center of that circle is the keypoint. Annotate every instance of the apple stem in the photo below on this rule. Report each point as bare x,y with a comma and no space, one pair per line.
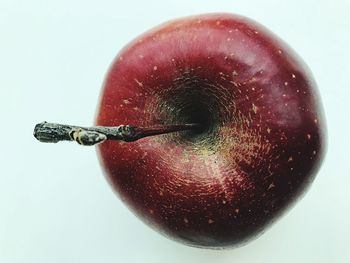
53,132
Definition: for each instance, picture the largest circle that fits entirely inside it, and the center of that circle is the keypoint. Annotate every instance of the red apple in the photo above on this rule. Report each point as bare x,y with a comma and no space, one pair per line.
261,139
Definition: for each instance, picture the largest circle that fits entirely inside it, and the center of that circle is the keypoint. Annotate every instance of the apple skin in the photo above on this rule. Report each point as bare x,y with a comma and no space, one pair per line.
263,135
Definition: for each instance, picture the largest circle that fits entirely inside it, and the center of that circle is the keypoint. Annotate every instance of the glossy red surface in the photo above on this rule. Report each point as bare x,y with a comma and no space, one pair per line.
261,146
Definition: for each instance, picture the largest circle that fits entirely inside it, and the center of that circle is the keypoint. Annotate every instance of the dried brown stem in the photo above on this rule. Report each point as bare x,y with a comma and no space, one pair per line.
53,133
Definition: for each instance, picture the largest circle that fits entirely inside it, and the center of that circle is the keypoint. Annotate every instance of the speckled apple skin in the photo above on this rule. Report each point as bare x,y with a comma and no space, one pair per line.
261,149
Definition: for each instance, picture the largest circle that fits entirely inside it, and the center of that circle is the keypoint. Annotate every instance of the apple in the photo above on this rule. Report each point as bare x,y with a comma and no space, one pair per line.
262,136
257,135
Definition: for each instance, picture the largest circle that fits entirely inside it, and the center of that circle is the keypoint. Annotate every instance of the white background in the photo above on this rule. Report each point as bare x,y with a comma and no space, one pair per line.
55,205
